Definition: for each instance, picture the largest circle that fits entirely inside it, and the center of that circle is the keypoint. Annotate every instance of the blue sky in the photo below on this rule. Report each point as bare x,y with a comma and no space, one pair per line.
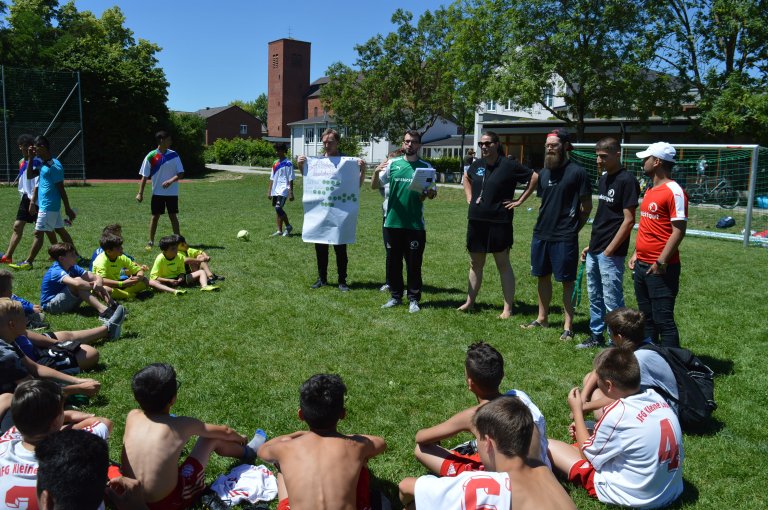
216,51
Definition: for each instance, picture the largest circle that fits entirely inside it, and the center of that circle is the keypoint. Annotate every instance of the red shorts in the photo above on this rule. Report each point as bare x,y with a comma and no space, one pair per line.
189,486
582,473
363,492
456,463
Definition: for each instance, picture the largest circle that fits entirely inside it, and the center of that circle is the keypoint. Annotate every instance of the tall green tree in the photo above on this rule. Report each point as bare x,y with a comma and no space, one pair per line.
399,80
719,51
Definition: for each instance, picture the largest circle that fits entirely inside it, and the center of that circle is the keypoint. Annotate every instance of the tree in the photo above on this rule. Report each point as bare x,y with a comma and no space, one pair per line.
590,54
257,108
400,81
719,51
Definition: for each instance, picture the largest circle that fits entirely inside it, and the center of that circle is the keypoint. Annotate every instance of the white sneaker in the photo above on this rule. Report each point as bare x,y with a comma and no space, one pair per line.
392,302
413,307
384,288
276,233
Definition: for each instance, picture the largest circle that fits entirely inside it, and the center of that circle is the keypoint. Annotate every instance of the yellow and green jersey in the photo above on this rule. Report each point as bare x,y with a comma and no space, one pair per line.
164,268
110,269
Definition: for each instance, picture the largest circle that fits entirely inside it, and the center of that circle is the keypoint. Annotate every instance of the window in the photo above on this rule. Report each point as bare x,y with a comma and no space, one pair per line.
309,135
490,105
274,61
243,129
549,97
510,105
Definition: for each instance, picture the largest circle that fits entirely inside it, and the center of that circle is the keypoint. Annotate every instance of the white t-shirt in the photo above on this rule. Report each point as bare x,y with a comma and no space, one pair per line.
18,470
637,452
468,490
281,177
538,421
161,167
27,186
655,371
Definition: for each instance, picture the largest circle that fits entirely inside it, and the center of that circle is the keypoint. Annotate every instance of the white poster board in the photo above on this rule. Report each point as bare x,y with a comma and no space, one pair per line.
331,200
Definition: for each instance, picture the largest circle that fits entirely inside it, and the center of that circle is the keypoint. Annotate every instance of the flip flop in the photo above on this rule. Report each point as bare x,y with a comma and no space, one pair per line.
534,324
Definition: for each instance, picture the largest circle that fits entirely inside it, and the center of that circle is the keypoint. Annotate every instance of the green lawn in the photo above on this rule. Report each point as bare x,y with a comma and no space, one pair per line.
243,352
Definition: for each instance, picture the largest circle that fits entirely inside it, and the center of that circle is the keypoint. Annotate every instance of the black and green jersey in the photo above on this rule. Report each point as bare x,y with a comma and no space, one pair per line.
405,209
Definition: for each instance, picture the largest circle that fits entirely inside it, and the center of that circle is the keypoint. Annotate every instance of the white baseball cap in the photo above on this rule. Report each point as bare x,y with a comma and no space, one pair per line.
661,150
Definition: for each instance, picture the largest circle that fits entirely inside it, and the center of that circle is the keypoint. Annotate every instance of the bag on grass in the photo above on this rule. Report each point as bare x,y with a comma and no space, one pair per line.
695,386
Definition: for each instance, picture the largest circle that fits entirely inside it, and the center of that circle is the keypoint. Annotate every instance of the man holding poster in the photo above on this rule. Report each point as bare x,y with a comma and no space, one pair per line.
410,180
331,199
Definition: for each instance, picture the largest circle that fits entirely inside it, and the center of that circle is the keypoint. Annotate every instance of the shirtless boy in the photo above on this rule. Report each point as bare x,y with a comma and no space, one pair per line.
503,429
154,438
322,468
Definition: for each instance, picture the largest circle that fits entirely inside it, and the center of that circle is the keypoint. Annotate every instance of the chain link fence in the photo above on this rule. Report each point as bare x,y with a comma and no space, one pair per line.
41,102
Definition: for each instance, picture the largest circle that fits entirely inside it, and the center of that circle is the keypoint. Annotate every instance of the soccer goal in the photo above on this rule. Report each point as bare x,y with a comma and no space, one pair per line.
720,181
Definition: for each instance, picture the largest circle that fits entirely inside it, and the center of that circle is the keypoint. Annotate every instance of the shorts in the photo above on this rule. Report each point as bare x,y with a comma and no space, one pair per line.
48,221
62,302
487,237
456,463
61,356
560,258
161,202
23,213
583,474
189,486
363,493
278,201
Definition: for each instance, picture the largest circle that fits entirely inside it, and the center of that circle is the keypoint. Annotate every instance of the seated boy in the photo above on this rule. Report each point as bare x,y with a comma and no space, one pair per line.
38,411
72,467
322,468
33,312
112,263
168,271
635,456
154,438
627,330
512,479
195,259
484,371
66,285
16,366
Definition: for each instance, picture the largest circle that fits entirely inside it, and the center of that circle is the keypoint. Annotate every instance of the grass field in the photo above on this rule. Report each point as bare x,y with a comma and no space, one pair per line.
243,352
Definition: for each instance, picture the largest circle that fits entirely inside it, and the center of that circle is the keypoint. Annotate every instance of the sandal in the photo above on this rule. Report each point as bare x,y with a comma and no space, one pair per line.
567,335
533,325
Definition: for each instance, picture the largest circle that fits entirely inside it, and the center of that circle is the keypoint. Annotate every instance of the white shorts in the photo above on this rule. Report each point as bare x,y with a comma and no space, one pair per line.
48,221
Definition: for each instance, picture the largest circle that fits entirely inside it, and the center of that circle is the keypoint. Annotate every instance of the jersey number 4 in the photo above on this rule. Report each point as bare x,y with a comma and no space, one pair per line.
669,452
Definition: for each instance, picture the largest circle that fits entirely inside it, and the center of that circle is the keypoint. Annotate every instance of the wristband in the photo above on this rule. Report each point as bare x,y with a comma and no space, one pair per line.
120,284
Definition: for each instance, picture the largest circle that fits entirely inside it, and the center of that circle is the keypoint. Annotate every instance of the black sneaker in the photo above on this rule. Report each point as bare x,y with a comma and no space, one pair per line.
468,448
593,341
319,283
216,278
211,501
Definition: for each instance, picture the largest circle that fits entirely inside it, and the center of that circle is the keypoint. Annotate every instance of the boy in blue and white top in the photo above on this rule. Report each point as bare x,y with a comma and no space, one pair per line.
281,188
47,199
164,167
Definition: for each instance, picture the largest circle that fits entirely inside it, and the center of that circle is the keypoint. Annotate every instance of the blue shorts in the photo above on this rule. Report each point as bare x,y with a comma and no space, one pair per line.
560,258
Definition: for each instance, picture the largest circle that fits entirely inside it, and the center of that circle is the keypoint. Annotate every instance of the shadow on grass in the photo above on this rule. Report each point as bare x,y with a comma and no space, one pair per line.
718,366
209,247
430,289
689,496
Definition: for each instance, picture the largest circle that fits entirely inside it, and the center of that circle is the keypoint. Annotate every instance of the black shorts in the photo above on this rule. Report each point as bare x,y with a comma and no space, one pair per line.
23,213
161,202
487,237
61,356
278,200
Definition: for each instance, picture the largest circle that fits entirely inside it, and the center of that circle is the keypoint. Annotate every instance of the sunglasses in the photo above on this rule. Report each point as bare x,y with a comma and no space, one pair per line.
485,144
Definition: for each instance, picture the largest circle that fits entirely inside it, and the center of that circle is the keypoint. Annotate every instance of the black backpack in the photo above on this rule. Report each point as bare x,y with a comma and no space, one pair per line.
695,386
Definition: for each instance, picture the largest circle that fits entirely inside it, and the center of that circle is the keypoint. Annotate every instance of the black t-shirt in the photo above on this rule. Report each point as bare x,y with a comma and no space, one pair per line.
494,184
11,368
560,191
615,193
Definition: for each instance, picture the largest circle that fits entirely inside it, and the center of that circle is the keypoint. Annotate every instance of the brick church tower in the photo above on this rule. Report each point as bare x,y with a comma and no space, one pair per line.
288,81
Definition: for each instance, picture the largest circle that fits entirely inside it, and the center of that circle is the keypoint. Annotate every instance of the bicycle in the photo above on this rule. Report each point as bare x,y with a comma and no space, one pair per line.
723,194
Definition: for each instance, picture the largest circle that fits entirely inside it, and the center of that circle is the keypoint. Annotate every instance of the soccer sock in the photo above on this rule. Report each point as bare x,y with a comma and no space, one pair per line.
259,438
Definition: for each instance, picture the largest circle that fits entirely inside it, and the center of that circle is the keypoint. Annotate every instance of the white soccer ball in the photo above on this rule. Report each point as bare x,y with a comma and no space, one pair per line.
243,235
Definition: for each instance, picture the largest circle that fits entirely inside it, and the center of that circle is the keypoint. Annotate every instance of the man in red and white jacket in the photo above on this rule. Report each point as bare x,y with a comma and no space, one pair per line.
656,261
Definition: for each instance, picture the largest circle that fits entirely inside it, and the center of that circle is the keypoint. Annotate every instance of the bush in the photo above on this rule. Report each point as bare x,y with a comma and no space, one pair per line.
241,151
443,165
350,146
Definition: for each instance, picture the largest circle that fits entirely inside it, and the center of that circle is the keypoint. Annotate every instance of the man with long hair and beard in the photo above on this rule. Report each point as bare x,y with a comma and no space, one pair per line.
566,201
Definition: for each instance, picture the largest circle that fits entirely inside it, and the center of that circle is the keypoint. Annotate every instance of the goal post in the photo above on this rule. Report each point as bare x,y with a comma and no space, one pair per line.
720,181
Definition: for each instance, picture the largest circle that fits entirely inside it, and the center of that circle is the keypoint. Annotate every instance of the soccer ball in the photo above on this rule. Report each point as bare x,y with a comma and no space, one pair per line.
243,235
